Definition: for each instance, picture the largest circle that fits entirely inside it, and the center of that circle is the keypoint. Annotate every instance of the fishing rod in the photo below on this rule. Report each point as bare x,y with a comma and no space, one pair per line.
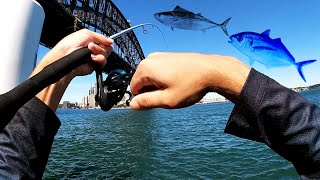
110,91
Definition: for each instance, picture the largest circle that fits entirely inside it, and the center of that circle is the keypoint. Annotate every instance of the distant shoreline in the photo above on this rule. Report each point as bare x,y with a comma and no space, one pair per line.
306,88
117,108
96,108
296,89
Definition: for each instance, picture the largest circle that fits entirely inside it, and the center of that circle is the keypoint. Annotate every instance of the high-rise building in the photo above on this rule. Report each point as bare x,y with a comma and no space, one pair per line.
67,104
85,102
92,93
89,101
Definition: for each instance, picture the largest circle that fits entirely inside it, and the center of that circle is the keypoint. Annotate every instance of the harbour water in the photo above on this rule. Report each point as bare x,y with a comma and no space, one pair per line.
186,143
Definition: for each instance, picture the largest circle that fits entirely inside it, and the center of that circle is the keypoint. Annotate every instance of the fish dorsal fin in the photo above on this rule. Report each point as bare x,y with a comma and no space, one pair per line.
278,41
266,32
199,14
180,9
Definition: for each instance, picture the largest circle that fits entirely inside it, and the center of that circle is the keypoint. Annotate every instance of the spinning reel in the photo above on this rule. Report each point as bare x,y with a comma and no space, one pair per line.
113,89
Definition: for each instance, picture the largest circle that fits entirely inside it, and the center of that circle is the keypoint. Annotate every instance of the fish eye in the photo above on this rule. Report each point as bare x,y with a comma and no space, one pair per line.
239,38
251,42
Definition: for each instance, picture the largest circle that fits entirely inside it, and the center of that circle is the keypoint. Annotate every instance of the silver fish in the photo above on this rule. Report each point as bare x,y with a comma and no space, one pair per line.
184,19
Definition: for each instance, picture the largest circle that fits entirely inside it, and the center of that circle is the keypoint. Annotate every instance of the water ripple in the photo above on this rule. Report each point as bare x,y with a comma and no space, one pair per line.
159,144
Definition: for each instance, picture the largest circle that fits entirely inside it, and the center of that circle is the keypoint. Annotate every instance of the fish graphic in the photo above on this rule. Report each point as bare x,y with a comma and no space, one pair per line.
184,19
267,51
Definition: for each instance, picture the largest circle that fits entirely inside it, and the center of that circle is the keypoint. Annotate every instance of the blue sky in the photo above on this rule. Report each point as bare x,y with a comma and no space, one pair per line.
295,22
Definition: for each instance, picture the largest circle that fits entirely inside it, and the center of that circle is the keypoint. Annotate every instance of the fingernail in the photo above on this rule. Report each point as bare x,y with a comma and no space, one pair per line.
134,104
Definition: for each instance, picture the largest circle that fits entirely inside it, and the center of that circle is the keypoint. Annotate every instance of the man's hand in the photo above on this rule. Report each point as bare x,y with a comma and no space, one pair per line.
176,80
99,45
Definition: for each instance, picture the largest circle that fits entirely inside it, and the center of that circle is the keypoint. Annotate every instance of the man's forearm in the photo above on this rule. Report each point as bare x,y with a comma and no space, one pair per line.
52,94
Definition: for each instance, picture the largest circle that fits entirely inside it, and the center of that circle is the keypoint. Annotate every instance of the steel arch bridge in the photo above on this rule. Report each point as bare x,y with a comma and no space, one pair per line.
98,15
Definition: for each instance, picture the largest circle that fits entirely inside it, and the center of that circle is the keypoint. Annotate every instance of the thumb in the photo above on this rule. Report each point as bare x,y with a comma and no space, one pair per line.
148,100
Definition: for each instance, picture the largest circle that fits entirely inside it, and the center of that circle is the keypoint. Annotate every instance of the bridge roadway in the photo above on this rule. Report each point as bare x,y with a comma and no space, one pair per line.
63,17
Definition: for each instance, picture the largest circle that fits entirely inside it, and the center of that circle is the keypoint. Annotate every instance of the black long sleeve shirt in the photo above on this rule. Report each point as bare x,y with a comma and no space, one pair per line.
282,119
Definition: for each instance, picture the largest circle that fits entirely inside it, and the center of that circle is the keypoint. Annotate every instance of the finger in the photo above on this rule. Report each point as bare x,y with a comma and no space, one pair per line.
140,83
148,100
83,70
100,49
108,49
140,78
100,59
96,49
99,38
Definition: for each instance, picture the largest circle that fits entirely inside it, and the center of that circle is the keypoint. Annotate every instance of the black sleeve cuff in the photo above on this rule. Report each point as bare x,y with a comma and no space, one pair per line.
25,143
242,121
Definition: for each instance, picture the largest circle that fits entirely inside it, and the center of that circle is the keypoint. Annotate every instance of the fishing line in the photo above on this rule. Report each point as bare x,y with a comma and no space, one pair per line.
123,32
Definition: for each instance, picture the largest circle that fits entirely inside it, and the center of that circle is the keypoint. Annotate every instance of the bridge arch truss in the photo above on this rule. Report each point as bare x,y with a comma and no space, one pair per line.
104,17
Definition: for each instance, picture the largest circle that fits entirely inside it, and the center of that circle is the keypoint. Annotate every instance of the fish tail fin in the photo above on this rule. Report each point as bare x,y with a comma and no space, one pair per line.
300,65
224,26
